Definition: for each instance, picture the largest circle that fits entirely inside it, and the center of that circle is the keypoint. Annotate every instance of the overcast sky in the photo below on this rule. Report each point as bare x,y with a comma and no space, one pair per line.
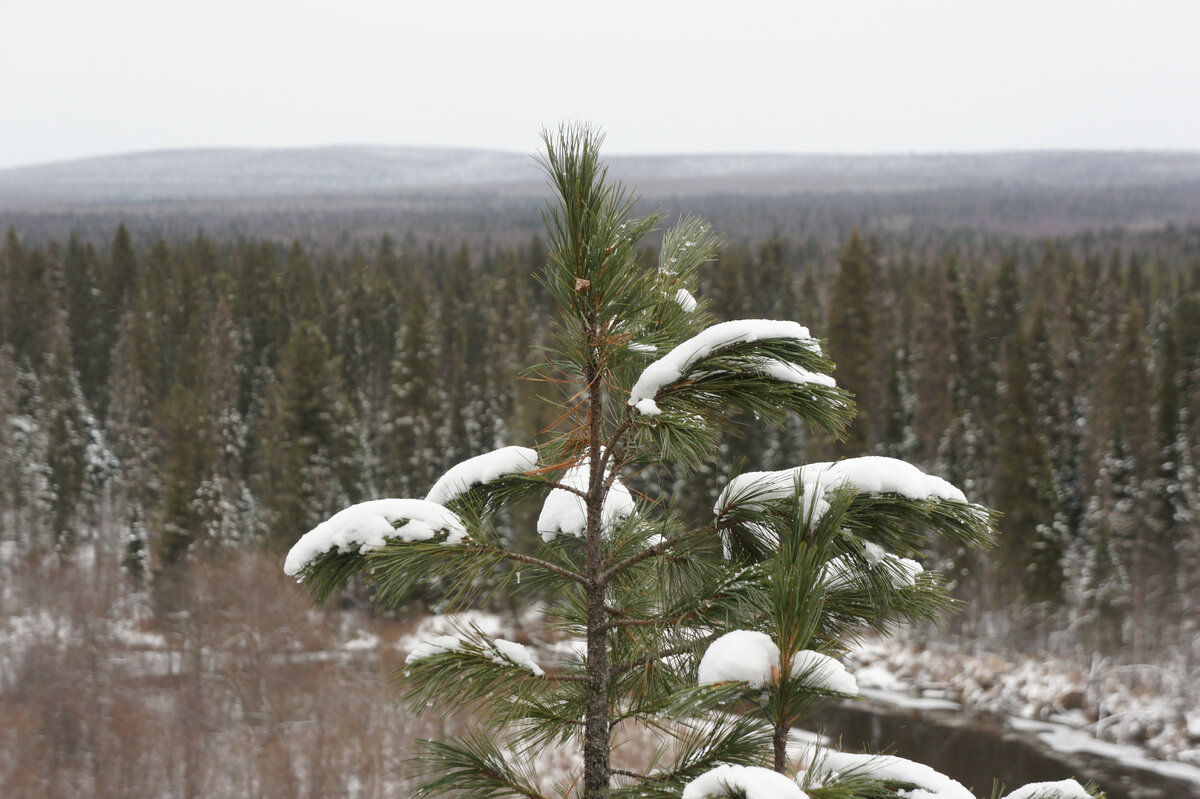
88,77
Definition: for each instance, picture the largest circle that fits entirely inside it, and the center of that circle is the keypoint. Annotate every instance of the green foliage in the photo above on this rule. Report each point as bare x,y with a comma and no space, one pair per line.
851,331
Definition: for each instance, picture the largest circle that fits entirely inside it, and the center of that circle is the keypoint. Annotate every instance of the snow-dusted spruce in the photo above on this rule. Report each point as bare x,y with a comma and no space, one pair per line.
717,634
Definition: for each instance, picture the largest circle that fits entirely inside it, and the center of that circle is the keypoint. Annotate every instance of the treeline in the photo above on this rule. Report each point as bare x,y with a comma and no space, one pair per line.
163,400
1124,214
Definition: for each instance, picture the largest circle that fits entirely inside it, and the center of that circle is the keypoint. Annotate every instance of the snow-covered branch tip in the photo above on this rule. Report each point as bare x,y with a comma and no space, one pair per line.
677,363
480,470
368,526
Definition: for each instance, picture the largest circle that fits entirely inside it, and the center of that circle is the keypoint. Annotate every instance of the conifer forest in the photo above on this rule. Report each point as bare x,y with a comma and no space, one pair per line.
178,407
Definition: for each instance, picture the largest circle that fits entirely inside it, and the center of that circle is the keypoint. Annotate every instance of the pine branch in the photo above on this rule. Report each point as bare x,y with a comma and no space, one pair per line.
651,552
530,560
471,767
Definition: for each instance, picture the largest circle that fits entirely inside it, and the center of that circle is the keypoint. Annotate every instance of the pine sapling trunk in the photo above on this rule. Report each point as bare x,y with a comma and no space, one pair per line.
596,734
596,773
779,740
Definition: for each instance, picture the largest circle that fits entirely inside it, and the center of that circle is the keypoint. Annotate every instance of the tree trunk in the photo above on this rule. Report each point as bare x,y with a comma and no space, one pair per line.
596,769
780,742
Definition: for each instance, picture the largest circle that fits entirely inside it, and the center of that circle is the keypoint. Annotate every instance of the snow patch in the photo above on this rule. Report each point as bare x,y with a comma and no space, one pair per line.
790,373
364,640
647,407
434,646
489,624
368,525
504,652
842,572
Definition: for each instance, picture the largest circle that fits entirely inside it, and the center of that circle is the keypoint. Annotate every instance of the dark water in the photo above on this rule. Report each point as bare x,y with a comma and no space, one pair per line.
977,749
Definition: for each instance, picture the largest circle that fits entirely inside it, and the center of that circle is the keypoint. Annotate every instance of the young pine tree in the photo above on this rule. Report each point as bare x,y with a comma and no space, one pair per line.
716,634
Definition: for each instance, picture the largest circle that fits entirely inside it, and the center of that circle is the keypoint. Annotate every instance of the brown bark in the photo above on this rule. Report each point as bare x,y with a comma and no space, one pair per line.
597,770
780,742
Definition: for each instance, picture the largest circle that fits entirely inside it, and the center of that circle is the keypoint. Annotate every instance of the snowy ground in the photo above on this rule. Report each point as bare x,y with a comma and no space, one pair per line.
271,666
1144,715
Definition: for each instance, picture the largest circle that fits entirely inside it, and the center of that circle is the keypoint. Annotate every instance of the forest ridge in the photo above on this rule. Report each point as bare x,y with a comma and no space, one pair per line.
165,399
175,175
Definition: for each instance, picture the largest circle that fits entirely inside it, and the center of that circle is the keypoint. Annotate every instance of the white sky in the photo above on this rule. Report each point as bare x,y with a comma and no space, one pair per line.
89,77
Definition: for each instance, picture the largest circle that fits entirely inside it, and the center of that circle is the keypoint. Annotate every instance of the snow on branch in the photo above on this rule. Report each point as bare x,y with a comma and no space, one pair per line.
368,526
679,361
484,468
565,512
500,651
832,766
685,300
1063,789
842,572
752,782
740,656
752,657
867,475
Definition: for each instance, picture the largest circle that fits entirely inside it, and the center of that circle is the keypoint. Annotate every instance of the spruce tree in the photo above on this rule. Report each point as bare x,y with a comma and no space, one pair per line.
716,633
851,329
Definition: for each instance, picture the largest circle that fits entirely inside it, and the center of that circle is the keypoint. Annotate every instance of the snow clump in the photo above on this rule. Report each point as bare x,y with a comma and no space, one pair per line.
481,469
740,656
679,361
822,671
434,646
790,373
368,525
565,512
517,655
685,300
752,657
754,782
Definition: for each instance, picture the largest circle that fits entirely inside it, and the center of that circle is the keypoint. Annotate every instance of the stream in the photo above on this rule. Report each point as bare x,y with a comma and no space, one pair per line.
976,748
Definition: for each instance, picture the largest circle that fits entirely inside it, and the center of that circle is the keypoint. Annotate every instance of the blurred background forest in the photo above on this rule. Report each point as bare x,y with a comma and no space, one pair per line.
190,382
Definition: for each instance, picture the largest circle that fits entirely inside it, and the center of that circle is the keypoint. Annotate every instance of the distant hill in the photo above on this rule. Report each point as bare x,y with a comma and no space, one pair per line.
338,196
207,174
